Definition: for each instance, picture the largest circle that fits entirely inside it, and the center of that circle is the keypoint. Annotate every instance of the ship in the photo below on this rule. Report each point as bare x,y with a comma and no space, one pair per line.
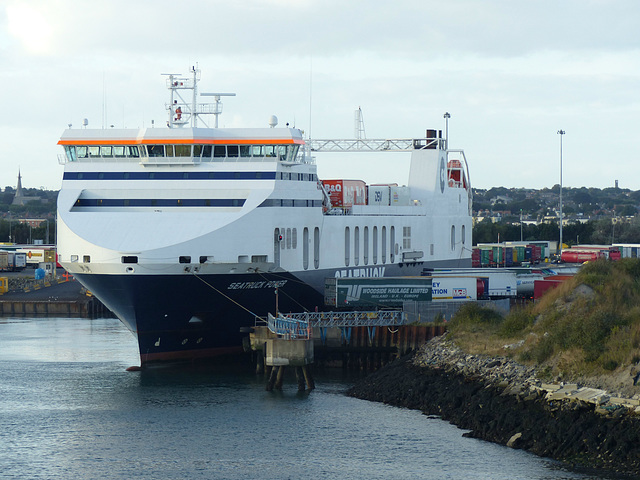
193,233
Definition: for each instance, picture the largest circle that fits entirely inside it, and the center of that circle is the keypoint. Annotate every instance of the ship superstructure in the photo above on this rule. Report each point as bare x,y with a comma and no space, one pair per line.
188,233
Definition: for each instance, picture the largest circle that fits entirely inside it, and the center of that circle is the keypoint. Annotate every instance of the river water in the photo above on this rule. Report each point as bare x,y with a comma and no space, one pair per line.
68,409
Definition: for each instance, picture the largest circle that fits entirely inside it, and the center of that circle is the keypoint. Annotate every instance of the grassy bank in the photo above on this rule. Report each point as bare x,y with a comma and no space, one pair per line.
588,328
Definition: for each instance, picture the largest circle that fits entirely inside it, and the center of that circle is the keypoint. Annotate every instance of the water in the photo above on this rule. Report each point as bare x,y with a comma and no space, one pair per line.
68,409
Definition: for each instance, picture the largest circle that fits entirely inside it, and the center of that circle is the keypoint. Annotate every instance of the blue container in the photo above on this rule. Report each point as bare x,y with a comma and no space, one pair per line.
39,273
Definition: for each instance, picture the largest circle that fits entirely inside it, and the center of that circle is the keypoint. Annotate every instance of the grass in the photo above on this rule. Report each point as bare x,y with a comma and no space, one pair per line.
588,325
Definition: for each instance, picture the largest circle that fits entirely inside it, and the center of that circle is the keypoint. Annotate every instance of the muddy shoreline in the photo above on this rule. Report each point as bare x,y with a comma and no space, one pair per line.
500,401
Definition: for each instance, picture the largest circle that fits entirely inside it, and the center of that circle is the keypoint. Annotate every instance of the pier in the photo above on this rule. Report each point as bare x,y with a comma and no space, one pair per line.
354,340
63,297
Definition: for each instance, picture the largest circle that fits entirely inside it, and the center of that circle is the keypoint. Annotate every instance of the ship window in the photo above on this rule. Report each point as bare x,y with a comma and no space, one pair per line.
366,246
203,258
384,244
94,151
130,259
463,234
182,150
71,153
282,239
431,249
245,150
305,248
258,259
316,248
292,152
294,238
232,150
118,151
375,245
132,151
392,244
406,238
206,151
106,151
74,258
347,245
197,150
155,150
219,151
86,259
268,150
356,246
81,152
257,150
168,150
184,259
282,152
288,238
453,237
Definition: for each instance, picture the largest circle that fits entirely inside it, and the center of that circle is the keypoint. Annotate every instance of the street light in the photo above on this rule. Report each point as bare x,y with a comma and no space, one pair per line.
561,133
447,116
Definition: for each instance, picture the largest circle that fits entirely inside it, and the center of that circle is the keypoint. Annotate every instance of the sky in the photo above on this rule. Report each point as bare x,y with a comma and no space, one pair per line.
511,73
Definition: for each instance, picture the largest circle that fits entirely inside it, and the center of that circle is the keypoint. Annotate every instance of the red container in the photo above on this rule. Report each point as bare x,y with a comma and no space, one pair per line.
345,193
541,286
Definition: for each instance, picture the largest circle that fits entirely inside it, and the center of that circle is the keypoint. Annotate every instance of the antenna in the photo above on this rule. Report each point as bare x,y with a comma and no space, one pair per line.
359,125
217,109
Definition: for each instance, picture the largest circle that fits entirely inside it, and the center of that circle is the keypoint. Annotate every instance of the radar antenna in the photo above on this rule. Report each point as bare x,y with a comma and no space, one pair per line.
186,111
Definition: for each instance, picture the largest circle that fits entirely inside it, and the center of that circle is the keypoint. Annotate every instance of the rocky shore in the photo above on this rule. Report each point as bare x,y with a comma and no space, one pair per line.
501,401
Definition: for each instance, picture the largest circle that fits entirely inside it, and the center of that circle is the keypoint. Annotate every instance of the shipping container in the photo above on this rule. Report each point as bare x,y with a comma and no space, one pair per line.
378,195
345,193
400,196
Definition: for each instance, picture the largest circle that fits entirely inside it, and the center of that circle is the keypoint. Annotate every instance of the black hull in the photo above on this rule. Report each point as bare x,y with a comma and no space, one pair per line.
190,316
187,317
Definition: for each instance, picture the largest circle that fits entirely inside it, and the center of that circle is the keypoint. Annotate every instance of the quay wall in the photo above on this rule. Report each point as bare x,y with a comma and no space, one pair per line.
503,402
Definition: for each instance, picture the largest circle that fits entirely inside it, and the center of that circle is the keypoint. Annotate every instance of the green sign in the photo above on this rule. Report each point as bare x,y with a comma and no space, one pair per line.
378,291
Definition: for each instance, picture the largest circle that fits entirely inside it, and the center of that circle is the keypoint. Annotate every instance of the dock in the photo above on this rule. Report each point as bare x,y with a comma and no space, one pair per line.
52,297
355,340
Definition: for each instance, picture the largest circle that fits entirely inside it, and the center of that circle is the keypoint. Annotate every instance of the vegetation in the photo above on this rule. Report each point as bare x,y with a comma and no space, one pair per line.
590,325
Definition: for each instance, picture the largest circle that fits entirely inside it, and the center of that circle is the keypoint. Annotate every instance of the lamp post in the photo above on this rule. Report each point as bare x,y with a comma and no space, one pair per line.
561,133
521,225
447,116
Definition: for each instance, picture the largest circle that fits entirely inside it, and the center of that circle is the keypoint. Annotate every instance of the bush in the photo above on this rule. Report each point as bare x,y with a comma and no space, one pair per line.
517,320
474,317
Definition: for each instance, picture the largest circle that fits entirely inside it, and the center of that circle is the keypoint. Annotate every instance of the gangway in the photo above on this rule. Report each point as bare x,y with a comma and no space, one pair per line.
381,318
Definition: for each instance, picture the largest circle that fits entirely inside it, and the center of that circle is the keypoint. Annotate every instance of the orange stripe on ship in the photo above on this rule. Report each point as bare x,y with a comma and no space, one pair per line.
182,141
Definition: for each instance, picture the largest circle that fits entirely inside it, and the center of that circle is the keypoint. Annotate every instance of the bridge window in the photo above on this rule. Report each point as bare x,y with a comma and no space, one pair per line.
219,151
182,150
156,150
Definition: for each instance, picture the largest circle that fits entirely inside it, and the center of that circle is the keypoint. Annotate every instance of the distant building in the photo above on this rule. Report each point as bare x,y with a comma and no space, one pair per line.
20,198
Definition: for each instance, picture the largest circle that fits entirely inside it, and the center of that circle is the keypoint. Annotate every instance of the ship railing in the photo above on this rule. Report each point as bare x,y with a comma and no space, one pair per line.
63,159
288,327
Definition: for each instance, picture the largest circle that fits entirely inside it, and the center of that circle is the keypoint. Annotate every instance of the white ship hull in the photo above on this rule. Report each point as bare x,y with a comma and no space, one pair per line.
187,249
